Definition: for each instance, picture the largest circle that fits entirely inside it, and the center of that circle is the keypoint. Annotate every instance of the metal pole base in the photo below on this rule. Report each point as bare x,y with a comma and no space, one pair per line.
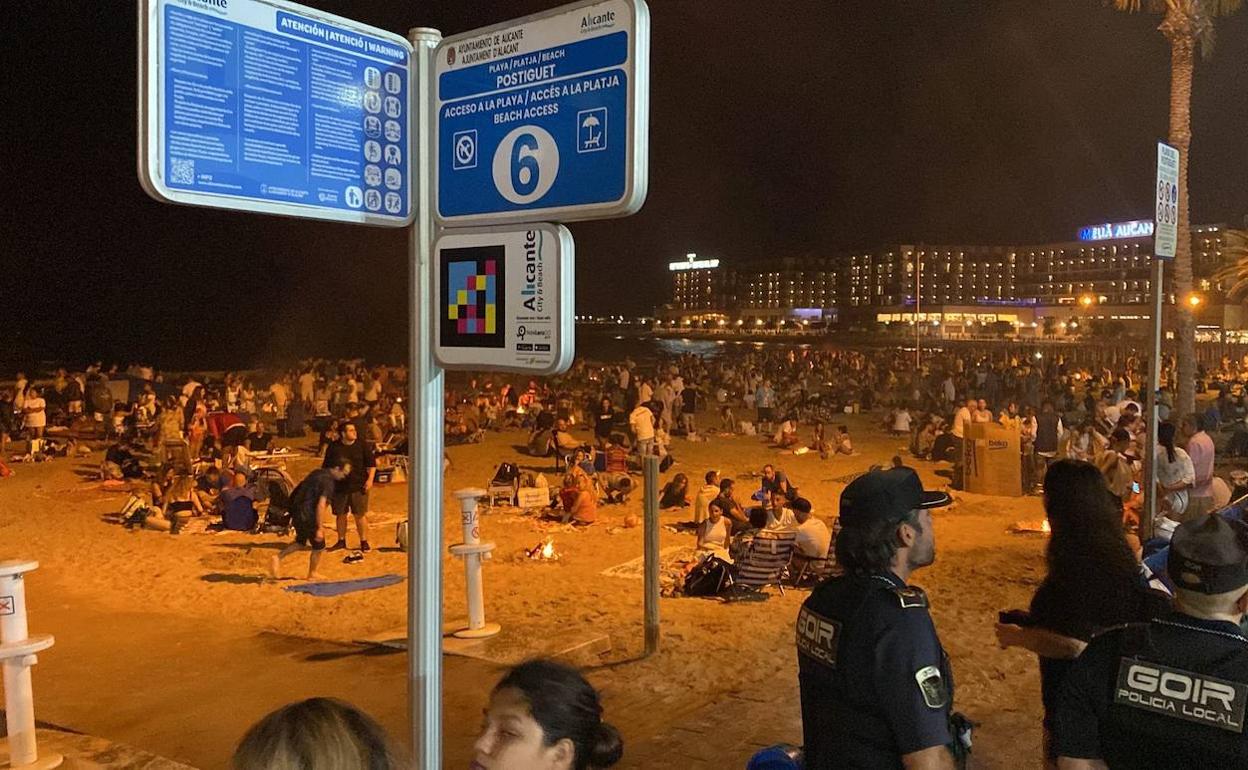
46,762
485,632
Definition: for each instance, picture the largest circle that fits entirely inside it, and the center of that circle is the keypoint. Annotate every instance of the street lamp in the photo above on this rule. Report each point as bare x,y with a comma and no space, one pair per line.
1087,300
1194,300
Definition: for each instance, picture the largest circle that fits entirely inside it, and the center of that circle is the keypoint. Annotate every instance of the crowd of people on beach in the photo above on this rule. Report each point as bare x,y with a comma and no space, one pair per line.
196,446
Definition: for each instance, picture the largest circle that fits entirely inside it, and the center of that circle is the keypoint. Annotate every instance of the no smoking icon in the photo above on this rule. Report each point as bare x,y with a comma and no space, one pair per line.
6,605
464,146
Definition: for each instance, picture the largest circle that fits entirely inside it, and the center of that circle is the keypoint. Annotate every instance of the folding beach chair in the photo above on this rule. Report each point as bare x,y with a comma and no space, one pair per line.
766,561
503,485
808,571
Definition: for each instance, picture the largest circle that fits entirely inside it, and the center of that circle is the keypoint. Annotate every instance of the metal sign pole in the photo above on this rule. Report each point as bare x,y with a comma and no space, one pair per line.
424,438
1150,405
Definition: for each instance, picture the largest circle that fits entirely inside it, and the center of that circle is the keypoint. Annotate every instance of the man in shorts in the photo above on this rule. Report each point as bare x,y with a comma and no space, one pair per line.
351,495
310,504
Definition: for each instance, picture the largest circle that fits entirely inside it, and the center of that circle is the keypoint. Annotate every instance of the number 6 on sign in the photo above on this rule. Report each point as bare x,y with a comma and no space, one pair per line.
526,164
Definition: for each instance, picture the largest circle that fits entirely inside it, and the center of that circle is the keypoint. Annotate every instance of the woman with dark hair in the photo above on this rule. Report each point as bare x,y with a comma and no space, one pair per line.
675,492
1093,581
543,715
1175,473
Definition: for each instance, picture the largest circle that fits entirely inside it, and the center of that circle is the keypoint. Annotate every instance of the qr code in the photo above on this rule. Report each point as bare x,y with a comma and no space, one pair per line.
182,171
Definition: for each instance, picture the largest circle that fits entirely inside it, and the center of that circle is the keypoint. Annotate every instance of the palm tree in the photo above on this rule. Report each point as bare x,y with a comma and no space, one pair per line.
1233,276
1187,24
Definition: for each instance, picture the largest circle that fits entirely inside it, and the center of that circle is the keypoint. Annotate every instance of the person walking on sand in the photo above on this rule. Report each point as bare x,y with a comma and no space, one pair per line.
310,504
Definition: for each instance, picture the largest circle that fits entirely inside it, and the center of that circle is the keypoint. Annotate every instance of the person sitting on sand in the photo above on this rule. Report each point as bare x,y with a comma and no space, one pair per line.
181,502
727,420
843,444
716,531
675,493
775,479
237,504
561,441
779,515
209,485
736,514
580,504
819,440
706,494
786,437
813,537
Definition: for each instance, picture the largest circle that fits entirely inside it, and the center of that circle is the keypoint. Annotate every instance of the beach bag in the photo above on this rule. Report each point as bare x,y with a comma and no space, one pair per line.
667,462
712,576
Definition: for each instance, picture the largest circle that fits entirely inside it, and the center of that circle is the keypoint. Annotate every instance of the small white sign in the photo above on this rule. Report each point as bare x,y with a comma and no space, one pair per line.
1166,230
533,497
6,605
504,299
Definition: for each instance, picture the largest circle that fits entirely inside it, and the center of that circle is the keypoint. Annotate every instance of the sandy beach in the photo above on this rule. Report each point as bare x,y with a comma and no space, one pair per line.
57,513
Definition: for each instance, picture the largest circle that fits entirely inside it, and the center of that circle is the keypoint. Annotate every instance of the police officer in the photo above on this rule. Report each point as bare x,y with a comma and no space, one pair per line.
875,682
1171,692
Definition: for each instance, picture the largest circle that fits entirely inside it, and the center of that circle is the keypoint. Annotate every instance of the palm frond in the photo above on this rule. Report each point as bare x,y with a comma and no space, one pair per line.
1234,272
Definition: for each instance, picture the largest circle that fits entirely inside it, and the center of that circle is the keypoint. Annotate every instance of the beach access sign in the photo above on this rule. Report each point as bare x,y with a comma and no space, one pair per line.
1166,216
545,117
272,107
504,299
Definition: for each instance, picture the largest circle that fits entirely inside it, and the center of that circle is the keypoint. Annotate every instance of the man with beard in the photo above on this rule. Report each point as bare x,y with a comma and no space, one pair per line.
875,682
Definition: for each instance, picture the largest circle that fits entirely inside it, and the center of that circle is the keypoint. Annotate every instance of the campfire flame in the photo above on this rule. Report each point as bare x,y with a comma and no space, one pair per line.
544,551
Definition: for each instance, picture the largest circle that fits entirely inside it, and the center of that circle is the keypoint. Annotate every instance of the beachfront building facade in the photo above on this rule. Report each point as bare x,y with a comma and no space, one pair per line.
1099,279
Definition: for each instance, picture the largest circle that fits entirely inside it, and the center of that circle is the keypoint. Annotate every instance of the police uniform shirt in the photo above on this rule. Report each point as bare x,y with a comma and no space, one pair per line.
1166,694
875,682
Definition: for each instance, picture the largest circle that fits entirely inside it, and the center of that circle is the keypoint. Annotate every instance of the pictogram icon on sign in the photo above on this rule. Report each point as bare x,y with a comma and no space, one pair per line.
465,149
6,605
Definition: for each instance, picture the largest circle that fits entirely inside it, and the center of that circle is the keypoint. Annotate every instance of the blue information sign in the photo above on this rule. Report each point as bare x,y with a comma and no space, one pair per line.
273,107
545,117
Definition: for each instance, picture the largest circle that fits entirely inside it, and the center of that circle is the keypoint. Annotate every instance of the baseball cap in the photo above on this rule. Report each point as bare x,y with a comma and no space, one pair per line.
886,495
1209,555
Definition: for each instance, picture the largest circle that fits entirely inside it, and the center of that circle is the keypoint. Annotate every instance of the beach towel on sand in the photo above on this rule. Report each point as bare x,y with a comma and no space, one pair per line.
339,587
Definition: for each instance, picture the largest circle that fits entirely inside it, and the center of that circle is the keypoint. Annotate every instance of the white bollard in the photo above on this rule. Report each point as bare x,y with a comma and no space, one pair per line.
17,652
473,552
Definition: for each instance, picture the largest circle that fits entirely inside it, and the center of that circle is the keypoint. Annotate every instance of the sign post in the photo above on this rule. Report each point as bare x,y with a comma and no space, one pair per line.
274,108
1165,238
425,439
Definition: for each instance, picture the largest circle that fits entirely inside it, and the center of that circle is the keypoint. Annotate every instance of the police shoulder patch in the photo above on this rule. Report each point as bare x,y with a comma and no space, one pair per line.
911,597
818,637
1178,694
932,686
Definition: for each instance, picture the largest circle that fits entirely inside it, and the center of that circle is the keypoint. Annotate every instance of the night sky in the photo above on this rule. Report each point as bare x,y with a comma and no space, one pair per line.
778,129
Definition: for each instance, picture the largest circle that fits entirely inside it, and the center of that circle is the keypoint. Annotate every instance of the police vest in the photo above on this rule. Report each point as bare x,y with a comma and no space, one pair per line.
844,719
1177,687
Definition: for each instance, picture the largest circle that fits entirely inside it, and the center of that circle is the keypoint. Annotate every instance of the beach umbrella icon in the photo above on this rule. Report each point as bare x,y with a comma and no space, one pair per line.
592,138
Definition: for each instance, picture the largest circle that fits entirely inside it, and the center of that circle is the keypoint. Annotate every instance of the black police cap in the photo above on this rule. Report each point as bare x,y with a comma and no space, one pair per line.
1209,555
887,495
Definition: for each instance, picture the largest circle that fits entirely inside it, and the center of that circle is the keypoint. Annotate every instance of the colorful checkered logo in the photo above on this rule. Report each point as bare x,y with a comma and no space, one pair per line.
472,296
473,291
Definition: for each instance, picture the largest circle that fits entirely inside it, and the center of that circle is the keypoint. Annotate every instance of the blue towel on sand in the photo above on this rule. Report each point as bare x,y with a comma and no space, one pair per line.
339,587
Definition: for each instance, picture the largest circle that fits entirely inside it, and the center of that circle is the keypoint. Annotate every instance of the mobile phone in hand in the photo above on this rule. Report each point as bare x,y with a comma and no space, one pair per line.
1014,617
